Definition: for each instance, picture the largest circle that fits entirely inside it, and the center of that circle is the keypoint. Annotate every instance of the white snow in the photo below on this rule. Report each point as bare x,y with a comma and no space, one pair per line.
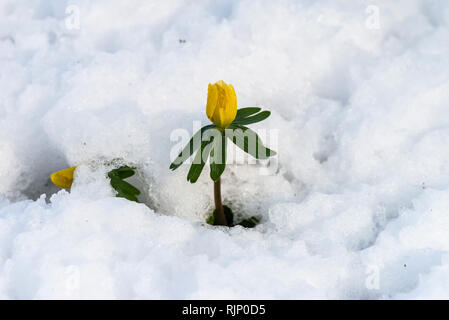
358,208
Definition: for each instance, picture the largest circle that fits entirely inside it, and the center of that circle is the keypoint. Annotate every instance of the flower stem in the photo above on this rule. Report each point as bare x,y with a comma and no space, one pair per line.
219,211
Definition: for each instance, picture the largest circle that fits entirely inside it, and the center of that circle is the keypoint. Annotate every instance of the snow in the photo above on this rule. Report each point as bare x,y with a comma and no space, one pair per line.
357,208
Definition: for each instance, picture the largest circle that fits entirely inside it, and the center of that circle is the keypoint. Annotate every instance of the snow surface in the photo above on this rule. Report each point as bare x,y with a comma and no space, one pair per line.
358,208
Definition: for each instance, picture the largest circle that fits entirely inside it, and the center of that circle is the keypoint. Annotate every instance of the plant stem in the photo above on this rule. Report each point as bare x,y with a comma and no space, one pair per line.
219,211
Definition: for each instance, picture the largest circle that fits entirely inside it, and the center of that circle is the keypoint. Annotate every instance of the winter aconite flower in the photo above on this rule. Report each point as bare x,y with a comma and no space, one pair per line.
211,140
63,178
221,106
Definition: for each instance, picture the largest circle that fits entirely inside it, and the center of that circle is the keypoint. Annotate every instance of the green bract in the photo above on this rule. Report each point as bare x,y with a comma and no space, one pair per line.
211,141
247,223
123,188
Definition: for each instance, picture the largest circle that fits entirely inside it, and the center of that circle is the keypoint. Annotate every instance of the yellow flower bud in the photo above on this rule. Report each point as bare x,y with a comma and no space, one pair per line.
63,178
221,106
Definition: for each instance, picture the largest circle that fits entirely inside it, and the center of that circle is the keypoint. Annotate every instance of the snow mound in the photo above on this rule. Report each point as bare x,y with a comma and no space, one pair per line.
357,207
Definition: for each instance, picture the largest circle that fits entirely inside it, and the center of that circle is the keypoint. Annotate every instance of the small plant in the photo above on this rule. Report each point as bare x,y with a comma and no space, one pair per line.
123,188
64,179
211,141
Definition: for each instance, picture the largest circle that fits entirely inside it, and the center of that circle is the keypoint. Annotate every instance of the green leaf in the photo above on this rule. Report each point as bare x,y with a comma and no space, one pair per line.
249,223
253,119
200,160
248,140
190,148
211,219
123,186
122,172
245,112
218,158
130,197
246,223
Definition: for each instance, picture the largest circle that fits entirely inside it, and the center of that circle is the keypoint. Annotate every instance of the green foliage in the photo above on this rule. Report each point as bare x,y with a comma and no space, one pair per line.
248,140
123,172
123,188
191,147
247,223
246,112
253,119
200,160
206,144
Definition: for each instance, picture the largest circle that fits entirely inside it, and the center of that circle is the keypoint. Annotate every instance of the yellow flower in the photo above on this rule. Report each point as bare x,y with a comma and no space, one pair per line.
221,106
63,178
